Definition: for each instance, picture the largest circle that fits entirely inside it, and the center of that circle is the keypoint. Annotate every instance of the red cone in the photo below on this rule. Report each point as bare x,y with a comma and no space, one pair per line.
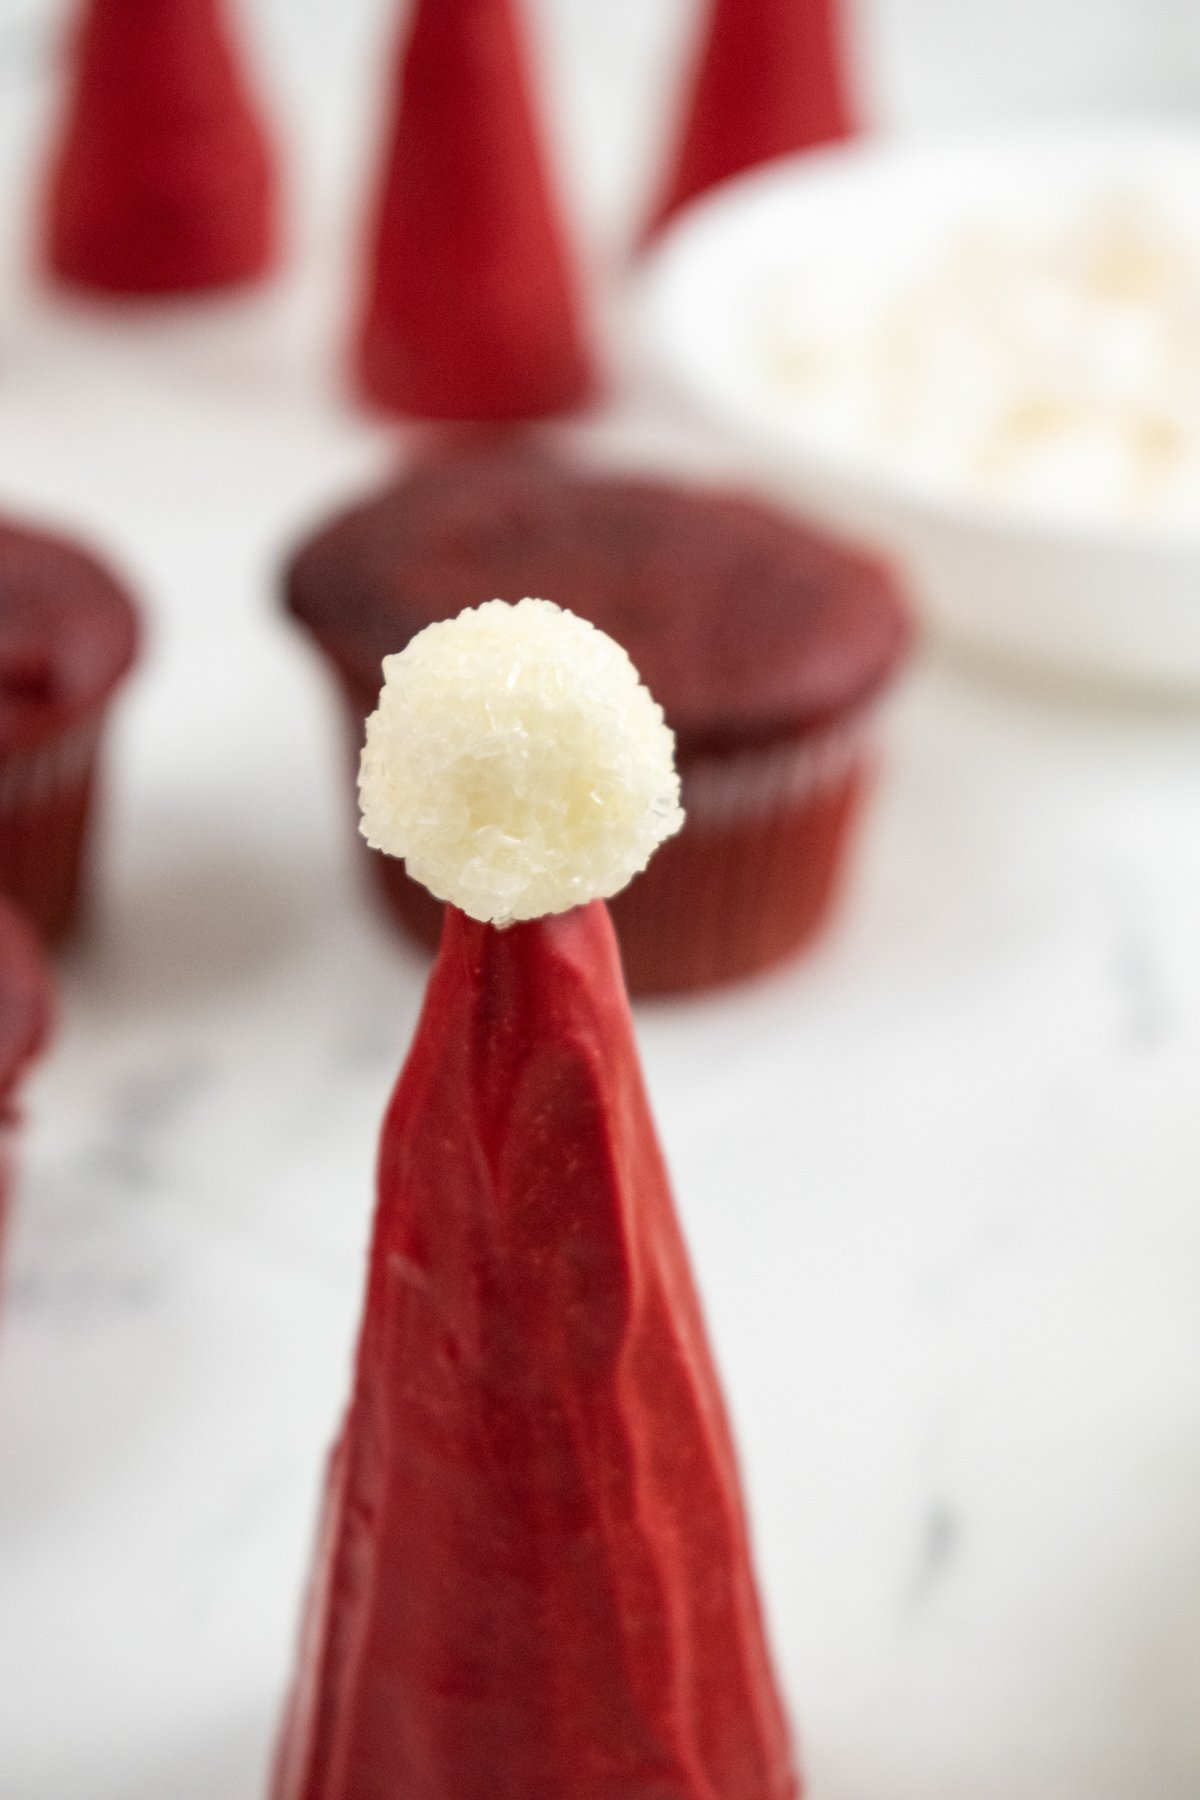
163,182
471,311
534,1582
769,82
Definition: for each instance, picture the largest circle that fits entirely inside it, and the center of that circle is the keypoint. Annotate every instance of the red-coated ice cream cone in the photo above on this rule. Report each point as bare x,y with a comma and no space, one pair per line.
470,308
163,181
770,80
534,1580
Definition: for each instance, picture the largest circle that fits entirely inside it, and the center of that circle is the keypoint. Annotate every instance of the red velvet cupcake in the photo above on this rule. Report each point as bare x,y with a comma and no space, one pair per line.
26,1010
767,645
68,634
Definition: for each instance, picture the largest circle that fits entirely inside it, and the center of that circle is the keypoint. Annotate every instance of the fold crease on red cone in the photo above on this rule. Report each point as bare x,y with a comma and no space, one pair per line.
534,1581
163,181
471,310
770,80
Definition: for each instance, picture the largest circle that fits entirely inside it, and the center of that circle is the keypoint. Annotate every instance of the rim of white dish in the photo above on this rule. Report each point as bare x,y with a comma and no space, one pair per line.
712,236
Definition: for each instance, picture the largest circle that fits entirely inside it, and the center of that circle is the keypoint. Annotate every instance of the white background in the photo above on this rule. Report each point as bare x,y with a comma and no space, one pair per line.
942,1180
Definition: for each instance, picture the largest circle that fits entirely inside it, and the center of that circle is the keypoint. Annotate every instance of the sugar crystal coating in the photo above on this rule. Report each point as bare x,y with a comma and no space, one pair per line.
517,763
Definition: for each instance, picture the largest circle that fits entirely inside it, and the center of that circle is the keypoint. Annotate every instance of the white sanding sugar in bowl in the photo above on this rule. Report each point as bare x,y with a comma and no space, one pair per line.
1051,362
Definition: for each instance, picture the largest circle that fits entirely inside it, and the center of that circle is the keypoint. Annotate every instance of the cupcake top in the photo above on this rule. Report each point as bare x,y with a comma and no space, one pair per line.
68,632
26,1000
739,620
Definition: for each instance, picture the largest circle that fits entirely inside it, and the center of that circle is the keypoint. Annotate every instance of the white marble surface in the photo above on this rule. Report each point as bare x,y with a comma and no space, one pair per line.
942,1181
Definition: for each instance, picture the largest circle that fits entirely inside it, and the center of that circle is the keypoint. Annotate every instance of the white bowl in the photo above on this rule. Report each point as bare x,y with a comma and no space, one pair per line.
1107,598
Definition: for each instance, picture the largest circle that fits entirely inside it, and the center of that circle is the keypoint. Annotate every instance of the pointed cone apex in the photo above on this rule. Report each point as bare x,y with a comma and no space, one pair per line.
534,1579
770,81
470,309
163,181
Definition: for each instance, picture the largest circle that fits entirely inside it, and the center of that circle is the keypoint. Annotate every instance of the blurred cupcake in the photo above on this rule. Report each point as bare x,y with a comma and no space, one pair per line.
26,1010
768,646
68,634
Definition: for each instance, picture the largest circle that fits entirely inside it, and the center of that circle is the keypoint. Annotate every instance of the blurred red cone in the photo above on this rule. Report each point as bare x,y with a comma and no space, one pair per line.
470,307
770,80
163,182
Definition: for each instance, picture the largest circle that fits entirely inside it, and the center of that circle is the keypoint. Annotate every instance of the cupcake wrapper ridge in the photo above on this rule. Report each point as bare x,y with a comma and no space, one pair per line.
45,809
745,784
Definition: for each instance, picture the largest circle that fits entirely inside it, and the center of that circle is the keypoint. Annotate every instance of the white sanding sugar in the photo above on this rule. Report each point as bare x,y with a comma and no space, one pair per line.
517,763
1053,363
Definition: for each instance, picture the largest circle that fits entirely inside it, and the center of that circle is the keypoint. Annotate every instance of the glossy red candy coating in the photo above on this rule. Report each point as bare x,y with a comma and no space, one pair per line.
163,181
534,1581
770,81
470,308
